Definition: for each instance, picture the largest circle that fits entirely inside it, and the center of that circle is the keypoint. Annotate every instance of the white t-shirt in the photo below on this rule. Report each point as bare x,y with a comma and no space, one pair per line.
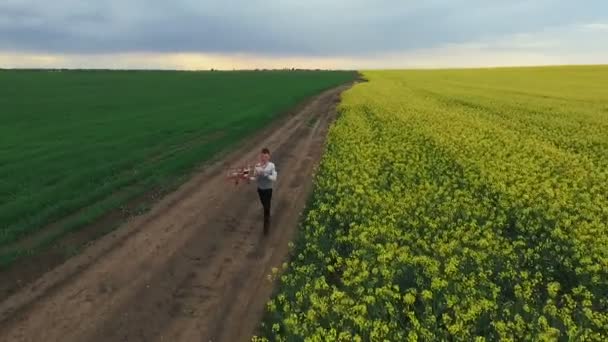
265,175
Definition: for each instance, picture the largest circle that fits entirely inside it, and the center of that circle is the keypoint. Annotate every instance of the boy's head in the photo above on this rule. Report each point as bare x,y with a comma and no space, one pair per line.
265,155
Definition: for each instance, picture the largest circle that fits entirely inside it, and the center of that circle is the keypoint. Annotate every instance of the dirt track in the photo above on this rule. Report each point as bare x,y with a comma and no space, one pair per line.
195,267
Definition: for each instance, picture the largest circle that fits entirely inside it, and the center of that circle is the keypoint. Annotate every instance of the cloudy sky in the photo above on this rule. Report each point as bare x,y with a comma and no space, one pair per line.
346,34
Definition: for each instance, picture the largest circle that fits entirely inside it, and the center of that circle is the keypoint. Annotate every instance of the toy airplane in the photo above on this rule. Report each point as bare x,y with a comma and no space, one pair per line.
245,173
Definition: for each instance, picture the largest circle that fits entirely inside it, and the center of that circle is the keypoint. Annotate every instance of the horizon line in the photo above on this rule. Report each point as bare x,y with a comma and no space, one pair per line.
307,69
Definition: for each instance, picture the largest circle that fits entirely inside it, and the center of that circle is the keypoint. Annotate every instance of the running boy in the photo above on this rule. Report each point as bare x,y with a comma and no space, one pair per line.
265,174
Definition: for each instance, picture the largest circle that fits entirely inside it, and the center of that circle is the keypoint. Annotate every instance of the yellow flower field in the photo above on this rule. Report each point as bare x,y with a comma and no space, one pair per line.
457,205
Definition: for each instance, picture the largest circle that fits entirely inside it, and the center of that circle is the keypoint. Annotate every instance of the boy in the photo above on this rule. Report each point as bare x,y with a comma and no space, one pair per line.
265,174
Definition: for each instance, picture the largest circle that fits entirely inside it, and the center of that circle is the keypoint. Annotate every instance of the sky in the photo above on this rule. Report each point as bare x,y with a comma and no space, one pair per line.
329,34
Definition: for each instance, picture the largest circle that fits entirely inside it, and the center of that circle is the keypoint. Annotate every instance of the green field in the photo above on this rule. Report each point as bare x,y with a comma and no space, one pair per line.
457,205
79,143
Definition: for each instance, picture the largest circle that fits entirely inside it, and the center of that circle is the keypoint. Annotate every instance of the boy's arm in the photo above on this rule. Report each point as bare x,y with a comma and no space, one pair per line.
272,175
268,174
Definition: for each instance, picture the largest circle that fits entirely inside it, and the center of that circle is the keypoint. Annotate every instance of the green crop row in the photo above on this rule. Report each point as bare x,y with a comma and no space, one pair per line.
77,144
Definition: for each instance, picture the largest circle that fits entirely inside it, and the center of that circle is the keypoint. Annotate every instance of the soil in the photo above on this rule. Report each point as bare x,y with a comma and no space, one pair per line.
194,267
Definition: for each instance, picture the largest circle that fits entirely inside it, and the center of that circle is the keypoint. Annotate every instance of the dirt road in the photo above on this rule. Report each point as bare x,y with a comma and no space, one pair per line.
195,267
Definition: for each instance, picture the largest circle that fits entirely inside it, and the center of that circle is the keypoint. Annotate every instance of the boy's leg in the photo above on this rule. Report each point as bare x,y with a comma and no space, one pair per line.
266,195
268,204
269,199
262,196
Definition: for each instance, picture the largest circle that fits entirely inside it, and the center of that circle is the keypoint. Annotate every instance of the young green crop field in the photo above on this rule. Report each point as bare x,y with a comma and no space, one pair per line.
77,144
457,205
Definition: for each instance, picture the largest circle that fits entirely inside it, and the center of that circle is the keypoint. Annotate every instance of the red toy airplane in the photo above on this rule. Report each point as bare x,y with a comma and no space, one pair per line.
245,173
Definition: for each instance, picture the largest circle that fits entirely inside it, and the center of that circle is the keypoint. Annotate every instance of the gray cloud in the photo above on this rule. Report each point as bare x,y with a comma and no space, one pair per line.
283,28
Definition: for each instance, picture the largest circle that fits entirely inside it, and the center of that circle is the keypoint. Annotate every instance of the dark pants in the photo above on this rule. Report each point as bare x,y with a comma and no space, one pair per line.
265,197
